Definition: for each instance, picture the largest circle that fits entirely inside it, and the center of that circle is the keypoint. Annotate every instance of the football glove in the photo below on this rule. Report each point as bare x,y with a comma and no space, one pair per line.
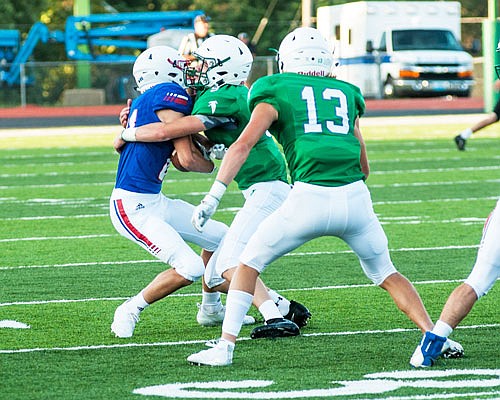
208,205
204,211
218,151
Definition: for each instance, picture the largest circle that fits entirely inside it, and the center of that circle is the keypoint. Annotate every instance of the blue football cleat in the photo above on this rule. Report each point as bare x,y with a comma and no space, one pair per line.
427,351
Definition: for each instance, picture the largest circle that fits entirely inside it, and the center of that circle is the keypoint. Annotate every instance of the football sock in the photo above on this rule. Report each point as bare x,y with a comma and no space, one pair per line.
442,329
225,343
282,303
138,302
269,310
211,302
237,305
466,133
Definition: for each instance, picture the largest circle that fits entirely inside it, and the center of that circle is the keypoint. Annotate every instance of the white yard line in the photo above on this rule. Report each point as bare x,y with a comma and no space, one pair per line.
293,254
60,131
305,289
241,339
176,181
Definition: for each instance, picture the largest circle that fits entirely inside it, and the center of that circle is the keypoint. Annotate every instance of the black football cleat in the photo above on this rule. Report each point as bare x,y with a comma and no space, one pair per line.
298,313
275,328
460,142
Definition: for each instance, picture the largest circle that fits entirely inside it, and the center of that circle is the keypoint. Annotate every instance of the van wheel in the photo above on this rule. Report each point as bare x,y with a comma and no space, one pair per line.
389,91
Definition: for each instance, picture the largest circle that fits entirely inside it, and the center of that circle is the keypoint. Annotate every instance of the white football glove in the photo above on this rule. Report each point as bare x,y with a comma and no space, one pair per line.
204,211
208,205
218,151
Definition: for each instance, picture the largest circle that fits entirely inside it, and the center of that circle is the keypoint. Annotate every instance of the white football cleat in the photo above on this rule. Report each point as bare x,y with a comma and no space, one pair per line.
212,342
218,356
205,318
124,321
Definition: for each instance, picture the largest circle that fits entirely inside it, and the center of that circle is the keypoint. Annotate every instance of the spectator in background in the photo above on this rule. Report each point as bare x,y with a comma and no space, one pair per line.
243,36
193,40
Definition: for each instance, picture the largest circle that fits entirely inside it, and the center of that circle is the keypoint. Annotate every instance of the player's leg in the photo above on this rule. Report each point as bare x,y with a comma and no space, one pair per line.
284,230
178,213
491,118
261,200
142,226
365,235
483,276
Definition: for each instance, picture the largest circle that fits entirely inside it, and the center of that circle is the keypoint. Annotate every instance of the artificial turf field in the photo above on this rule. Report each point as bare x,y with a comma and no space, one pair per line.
64,270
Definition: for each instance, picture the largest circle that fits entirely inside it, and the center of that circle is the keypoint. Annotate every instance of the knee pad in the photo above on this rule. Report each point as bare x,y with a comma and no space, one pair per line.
189,267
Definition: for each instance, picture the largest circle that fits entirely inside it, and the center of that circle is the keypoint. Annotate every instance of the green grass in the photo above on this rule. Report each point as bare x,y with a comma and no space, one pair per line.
64,270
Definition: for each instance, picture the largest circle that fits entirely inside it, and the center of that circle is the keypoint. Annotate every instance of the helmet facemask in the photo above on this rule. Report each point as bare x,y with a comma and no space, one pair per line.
220,60
197,73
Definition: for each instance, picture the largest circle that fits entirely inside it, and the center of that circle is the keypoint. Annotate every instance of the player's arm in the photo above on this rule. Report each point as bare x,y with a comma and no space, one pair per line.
363,159
261,119
165,130
189,156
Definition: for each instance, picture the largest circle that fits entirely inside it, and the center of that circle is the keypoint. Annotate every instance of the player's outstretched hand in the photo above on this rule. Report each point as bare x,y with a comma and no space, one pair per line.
204,211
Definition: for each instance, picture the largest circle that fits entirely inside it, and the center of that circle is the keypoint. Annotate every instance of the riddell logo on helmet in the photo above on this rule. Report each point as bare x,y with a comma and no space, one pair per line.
314,73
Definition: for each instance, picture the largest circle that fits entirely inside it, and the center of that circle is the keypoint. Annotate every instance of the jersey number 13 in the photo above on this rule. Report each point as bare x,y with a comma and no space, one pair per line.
341,111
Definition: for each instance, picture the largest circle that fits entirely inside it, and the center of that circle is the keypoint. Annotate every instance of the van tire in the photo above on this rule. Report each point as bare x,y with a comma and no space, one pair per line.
389,89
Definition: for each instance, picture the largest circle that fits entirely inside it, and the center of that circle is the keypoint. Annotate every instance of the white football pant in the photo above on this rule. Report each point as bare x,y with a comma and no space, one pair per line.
312,211
486,269
162,226
261,200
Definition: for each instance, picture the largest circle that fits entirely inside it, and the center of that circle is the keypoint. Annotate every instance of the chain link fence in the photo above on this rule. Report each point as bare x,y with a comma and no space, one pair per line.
56,83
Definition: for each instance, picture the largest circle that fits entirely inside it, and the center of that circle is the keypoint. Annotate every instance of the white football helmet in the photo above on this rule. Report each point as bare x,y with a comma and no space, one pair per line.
221,60
305,51
158,64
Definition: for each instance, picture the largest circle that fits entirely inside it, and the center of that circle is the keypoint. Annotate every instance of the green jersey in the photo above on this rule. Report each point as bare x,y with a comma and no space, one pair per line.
265,162
315,125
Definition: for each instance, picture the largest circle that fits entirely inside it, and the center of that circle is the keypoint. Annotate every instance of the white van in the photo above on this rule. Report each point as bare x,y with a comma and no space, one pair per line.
398,48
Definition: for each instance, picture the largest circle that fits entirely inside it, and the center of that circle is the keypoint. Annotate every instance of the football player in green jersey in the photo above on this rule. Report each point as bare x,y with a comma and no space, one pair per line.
315,118
221,110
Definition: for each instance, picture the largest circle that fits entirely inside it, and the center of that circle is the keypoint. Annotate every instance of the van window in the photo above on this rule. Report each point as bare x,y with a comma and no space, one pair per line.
424,39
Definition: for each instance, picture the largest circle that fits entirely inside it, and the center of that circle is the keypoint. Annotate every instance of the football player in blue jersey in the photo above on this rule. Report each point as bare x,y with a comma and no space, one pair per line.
138,209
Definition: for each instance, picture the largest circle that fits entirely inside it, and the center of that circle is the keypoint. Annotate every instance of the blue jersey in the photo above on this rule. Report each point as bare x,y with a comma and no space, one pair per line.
143,166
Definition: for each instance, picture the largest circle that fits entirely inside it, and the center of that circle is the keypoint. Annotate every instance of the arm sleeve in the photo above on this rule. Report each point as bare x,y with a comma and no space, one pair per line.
212,121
